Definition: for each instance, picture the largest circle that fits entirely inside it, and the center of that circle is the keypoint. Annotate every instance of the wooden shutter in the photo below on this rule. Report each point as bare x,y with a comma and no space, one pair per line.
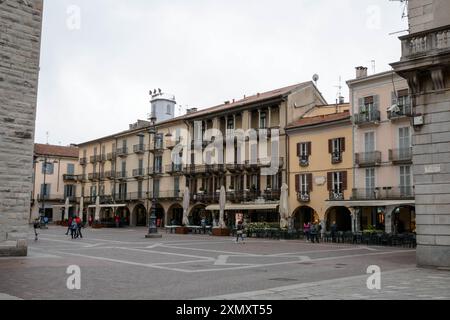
329,181
309,144
297,182
309,181
342,144
330,146
362,107
298,149
344,180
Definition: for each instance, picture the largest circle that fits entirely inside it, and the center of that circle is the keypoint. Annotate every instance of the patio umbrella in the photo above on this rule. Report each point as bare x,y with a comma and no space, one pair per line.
81,208
67,207
186,200
222,201
284,207
97,209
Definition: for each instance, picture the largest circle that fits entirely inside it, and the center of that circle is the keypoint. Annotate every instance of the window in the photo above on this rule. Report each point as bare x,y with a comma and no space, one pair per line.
141,140
93,191
122,190
124,166
159,141
95,151
101,190
70,168
335,148
404,140
303,152
370,182
263,120
141,164
140,189
45,190
176,185
47,168
303,183
156,184
103,150
158,164
369,142
405,180
69,191
169,110
230,123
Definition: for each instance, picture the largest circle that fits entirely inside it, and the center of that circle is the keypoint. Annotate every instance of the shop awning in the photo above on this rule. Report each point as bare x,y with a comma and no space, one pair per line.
369,203
252,206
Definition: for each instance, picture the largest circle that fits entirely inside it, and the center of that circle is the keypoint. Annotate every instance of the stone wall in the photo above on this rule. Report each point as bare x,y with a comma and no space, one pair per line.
427,14
20,34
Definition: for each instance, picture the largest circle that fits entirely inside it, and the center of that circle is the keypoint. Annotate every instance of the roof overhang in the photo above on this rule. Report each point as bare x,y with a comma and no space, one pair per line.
369,203
253,206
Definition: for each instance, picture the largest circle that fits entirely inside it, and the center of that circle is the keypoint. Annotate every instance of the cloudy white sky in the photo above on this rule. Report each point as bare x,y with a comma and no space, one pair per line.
98,66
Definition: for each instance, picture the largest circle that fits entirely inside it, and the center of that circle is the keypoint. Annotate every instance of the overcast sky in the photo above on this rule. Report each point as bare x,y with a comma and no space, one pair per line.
99,58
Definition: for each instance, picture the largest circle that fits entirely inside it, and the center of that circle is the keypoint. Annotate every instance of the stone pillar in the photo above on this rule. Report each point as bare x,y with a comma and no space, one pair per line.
354,214
389,219
20,25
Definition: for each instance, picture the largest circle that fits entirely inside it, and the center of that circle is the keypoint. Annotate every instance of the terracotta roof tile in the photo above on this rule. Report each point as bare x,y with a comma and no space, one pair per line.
309,121
56,151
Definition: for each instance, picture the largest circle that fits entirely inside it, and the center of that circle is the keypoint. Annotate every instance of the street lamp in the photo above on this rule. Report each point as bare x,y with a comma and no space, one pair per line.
152,229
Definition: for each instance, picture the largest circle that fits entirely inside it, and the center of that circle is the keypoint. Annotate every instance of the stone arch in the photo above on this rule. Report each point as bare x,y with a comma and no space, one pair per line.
303,214
124,215
160,214
404,219
175,213
196,212
139,216
341,215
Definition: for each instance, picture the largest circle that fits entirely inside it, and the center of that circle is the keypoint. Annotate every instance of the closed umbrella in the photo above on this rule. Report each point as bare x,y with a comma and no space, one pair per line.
186,200
97,209
284,207
67,207
81,208
222,202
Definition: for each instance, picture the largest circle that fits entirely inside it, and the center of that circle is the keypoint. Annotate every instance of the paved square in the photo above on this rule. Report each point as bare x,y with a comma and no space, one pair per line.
122,264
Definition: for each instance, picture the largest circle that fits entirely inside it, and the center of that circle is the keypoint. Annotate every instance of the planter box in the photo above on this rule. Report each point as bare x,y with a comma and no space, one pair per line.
182,230
218,232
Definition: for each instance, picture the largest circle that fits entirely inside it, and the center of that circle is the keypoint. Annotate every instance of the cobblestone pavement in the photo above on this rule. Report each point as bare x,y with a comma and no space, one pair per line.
122,264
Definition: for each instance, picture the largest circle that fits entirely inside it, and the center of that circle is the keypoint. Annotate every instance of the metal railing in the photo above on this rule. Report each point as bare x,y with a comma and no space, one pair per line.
122,152
403,111
336,195
303,161
336,157
83,161
94,176
121,174
398,156
304,196
155,171
110,175
111,156
368,158
70,177
138,173
384,193
174,168
139,148
367,117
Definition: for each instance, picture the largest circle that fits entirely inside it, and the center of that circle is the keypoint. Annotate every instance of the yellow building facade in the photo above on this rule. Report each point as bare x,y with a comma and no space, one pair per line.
321,167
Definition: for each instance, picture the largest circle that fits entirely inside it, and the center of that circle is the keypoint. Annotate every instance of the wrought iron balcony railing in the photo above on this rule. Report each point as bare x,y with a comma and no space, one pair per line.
70,177
304,161
401,156
304,196
402,111
110,175
384,193
336,157
367,117
122,152
138,173
121,175
139,148
368,159
83,161
336,195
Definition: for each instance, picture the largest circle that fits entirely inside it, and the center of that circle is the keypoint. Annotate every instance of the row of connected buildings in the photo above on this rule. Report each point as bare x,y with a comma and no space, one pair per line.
348,163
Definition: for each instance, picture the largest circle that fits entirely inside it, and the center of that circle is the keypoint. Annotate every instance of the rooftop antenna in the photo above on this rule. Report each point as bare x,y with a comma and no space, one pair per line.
340,98
373,64
47,134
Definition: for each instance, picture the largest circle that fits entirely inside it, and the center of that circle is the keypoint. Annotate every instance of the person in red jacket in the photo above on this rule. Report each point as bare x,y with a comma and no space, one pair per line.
80,225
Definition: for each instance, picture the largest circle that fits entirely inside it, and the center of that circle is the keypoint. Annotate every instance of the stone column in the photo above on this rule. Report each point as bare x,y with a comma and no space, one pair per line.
354,214
389,218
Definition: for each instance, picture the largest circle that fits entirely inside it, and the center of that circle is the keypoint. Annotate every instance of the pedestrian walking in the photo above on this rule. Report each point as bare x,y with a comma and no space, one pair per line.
36,225
74,229
79,226
306,230
313,232
69,225
203,224
240,231
333,231
90,220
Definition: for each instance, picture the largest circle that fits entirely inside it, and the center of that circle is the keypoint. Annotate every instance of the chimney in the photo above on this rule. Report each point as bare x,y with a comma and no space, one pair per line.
341,100
361,72
227,102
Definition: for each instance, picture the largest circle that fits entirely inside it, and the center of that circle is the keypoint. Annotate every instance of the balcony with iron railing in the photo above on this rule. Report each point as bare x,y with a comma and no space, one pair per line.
121,175
95,159
94,176
139,148
271,195
174,169
170,144
384,193
303,161
368,159
83,161
157,146
111,156
51,197
155,171
122,152
110,175
70,177
336,195
402,111
234,167
363,118
263,163
304,196
426,43
336,157
82,178
171,195
401,156
139,173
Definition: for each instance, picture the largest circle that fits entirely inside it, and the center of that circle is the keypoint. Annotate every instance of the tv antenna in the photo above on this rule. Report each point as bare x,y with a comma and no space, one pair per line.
315,78
340,98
